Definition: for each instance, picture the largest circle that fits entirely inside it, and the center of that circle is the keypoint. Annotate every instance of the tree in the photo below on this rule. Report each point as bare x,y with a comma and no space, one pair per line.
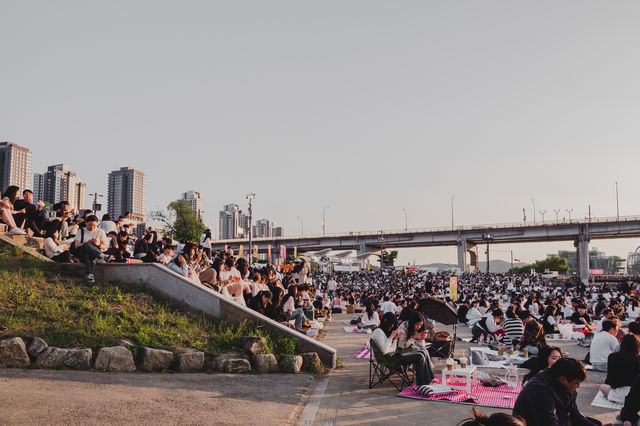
180,221
551,263
389,258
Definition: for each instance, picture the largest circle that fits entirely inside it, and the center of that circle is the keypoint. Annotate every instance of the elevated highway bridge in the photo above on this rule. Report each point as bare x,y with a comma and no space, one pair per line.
465,238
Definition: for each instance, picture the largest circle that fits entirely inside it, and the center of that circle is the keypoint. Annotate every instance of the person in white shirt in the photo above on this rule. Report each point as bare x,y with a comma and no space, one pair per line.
388,306
603,344
290,311
331,287
90,243
369,318
633,310
53,249
473,314
107,225
205,241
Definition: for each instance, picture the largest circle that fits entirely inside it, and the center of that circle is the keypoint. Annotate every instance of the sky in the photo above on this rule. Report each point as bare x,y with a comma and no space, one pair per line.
370,107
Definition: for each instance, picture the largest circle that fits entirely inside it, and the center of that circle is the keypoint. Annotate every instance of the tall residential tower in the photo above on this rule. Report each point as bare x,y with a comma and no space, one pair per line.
15,166
126,193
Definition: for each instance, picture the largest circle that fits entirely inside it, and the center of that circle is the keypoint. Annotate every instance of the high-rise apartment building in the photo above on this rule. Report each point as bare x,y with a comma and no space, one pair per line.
234,223
193,200
126,193
57,184
263,228
15,166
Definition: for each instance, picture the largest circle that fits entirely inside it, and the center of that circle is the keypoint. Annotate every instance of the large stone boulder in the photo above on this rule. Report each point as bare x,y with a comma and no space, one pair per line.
311,362
155,359
116,359
253,345
264,363
36,346
75,359
190,361
291,364
13,353
233,365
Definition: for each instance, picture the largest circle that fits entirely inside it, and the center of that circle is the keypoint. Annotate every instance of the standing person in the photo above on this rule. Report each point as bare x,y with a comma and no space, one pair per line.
90,242
331,287
205,241
549,399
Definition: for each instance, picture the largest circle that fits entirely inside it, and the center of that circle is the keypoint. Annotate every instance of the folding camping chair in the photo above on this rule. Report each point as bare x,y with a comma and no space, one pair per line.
385,369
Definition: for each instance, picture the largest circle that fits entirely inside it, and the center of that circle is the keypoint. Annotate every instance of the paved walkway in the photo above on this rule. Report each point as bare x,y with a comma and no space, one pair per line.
347,399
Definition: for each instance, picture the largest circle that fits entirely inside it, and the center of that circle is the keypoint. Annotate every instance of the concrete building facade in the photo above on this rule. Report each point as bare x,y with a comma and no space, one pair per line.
126,193
194,199
233,222
57,184
15,166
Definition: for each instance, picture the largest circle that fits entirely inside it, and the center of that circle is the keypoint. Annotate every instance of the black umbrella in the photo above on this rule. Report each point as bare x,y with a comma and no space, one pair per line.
438,310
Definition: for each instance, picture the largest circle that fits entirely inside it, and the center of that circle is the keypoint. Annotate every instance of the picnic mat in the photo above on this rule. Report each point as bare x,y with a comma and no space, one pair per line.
601,401
364,353
353,329
480,395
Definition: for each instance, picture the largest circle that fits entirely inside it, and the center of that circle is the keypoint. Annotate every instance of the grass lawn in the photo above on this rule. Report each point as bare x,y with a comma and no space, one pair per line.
36,300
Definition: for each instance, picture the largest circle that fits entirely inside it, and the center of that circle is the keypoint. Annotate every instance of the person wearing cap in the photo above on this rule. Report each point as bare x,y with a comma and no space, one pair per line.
533,336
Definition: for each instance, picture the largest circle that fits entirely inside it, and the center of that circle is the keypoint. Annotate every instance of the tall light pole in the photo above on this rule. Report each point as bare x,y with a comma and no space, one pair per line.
405,218
250,197
452,195
542,213
97,207
301,226
556,211
617,203
534,211
324,209
569,211
381,239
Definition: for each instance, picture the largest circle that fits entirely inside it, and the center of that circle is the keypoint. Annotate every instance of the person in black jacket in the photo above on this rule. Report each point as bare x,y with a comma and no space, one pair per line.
629,414
622,368
549,399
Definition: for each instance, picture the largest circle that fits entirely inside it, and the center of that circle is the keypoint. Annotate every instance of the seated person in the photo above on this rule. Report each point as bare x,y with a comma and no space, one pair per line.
473,314
369,318
581,317
495,419
513,328
7,211
90,243
32,217
533,337
549,398
487,326
546,358
462,311
386,337
622,367
53,248
550,322
603,344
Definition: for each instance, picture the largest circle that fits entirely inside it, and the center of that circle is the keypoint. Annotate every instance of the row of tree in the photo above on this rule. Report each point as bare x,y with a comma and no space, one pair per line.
551,263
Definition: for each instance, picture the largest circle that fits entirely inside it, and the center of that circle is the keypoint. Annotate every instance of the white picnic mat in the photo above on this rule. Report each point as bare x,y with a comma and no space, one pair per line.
354,329
496,364
601,401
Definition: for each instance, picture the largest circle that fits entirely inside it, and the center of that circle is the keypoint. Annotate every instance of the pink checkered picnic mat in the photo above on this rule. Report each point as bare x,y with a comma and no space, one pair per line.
480,395
363,353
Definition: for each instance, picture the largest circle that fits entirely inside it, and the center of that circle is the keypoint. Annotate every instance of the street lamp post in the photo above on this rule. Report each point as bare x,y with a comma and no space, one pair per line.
301,226
569,211
250,197
542,213
534,211
381,239
324,209
96,207
556,211
452,196
617,203
405,218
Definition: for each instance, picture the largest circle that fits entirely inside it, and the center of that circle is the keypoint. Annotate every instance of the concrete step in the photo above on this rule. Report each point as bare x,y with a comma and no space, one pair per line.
4,228
21,239
36,242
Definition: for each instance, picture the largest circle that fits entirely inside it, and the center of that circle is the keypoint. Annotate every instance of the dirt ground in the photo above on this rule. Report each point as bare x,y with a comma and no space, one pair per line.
30,397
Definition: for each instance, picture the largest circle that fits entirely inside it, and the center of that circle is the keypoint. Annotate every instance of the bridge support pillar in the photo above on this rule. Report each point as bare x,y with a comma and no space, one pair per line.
582,244
465,247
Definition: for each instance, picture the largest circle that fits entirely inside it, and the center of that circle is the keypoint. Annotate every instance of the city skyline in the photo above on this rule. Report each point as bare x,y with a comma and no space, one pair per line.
382,115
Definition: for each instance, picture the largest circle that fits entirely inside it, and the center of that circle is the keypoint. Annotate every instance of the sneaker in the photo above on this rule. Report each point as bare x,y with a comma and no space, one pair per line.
17,231
91,278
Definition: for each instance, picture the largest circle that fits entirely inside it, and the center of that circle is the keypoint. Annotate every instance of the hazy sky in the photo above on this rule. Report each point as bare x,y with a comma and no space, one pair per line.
367,106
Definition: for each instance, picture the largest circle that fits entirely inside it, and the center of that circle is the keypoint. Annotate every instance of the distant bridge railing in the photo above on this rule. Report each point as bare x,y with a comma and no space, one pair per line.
461,228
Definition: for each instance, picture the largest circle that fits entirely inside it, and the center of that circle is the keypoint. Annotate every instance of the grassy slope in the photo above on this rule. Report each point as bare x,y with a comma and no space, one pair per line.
35,300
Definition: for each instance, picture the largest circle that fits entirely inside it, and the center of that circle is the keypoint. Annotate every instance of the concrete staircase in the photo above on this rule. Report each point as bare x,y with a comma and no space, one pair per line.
28,243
